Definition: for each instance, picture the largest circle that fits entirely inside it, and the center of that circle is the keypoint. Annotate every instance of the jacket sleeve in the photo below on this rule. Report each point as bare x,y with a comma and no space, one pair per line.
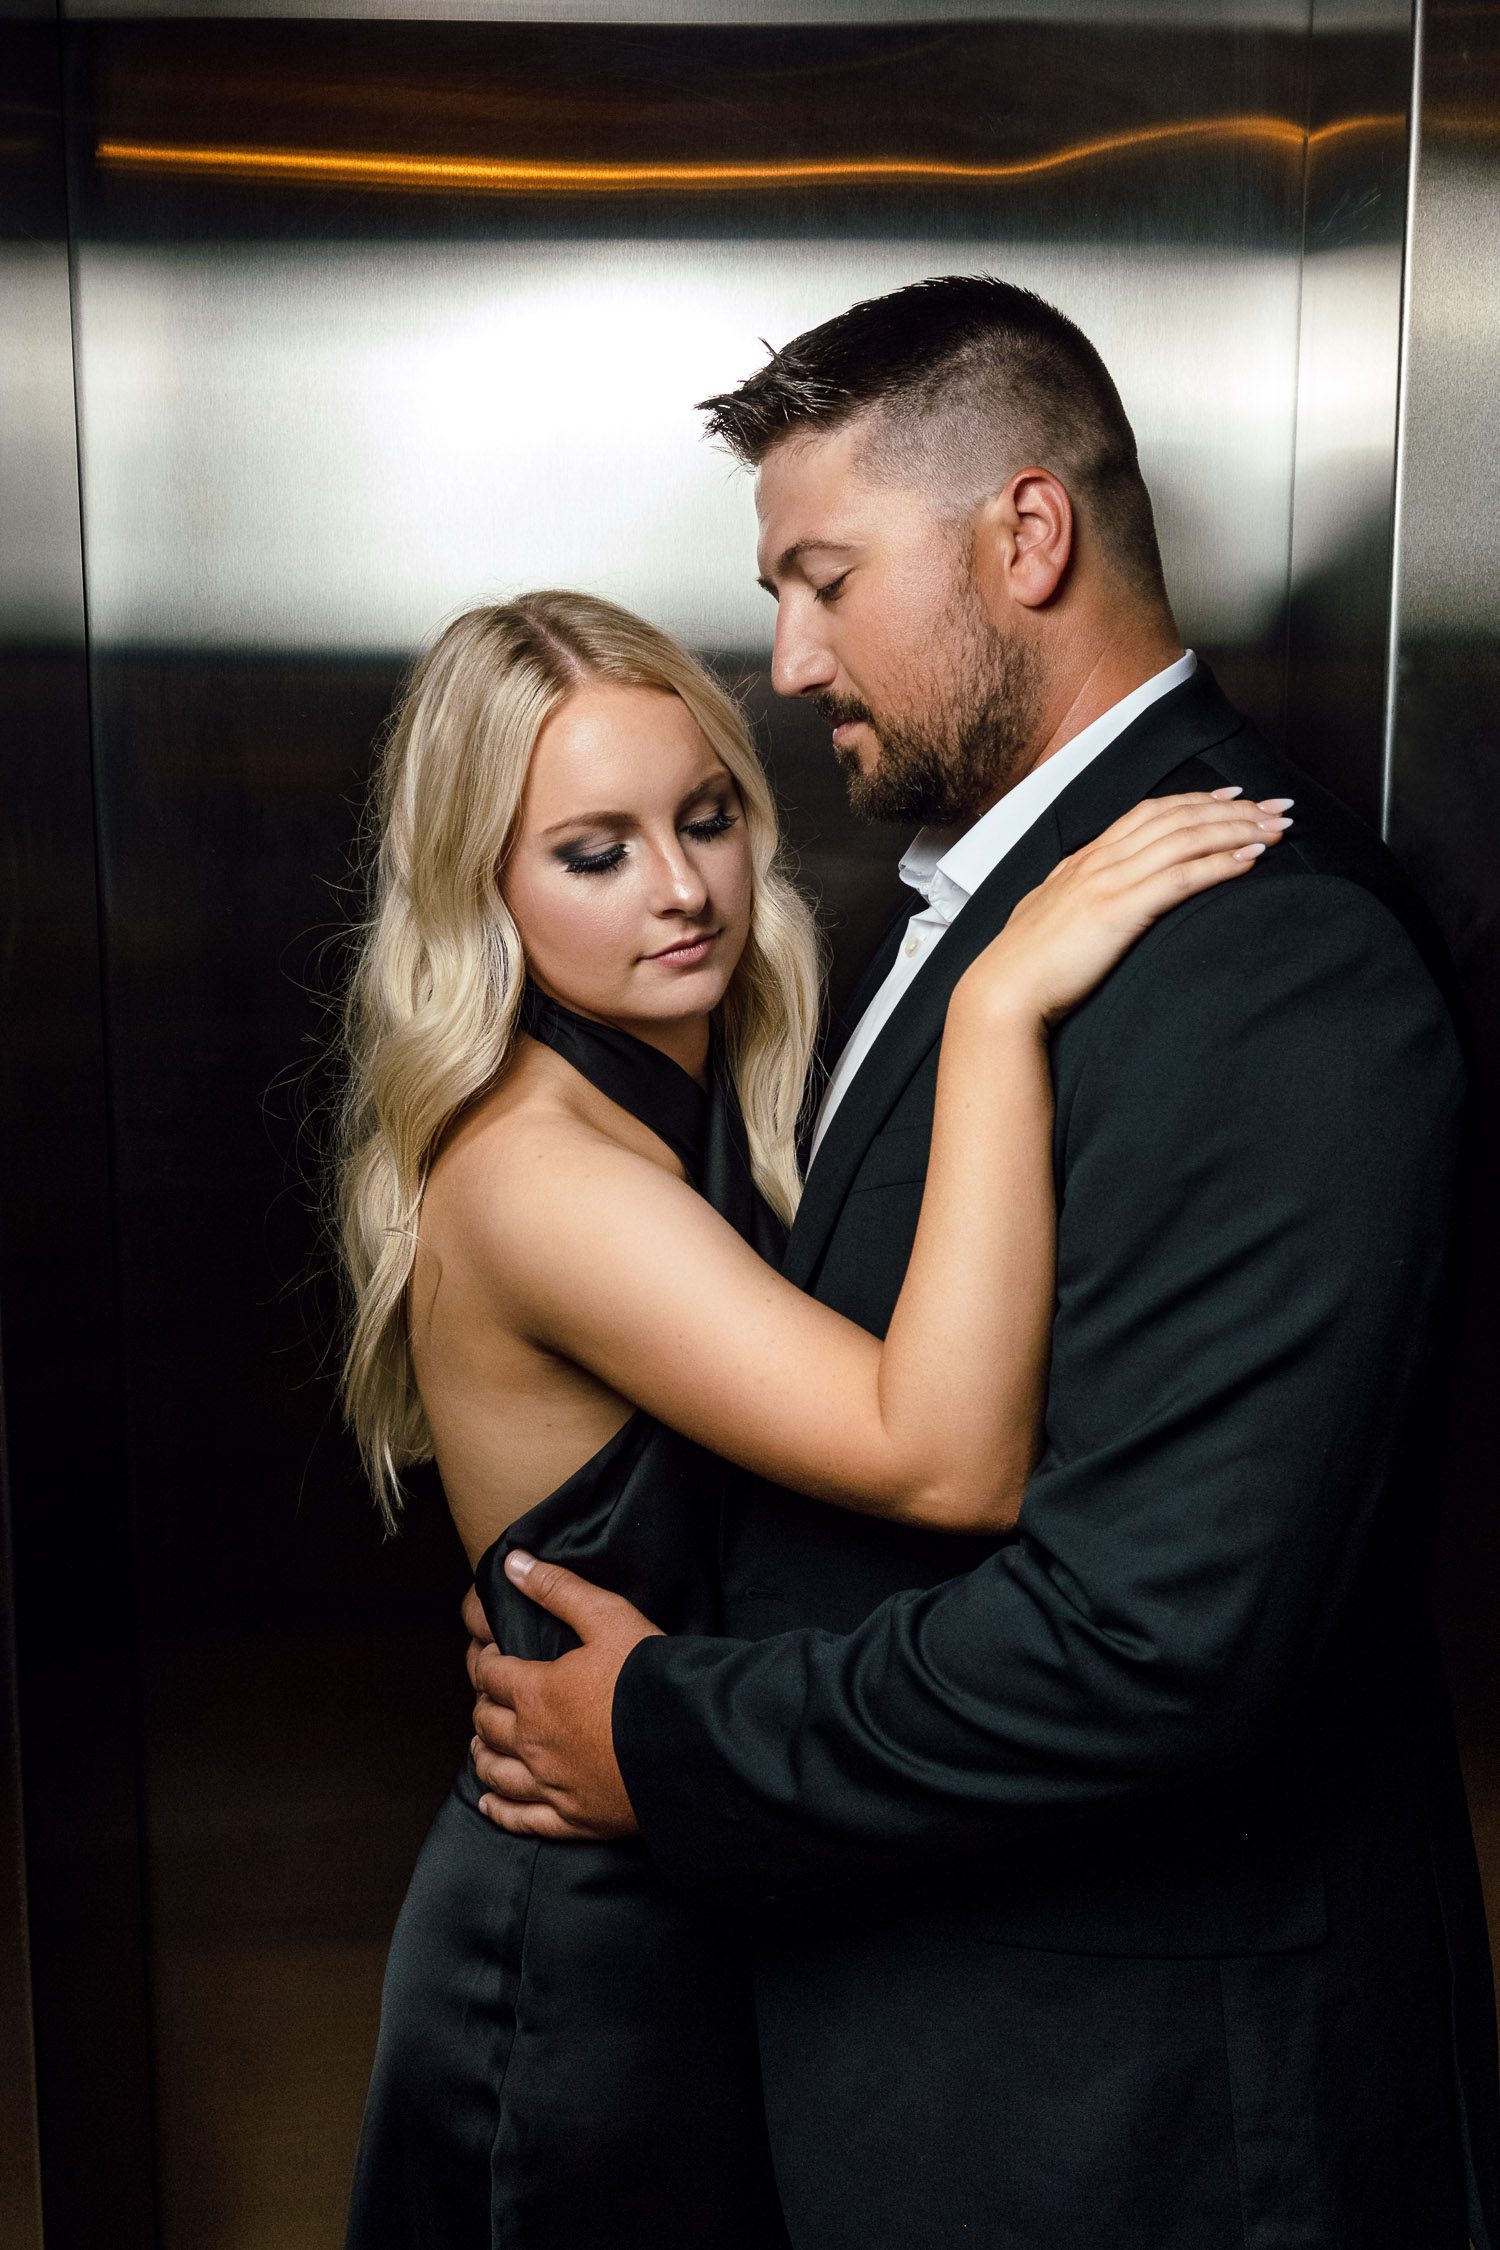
1255,1166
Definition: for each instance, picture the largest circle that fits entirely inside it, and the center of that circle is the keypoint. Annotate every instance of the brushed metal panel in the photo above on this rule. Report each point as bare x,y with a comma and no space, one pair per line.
297,441
20,2156
76,2125
1194,15
314,447
1445,773
1347,379
320,408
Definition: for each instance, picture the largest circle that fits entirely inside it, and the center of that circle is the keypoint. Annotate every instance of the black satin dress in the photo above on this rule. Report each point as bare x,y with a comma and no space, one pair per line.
567,2050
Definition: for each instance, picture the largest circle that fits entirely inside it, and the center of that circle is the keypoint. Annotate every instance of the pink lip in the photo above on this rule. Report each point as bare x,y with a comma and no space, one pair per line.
688,954
842,733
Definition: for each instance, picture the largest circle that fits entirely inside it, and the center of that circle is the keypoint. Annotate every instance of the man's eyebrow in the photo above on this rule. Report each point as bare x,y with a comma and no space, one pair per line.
800,547
713,780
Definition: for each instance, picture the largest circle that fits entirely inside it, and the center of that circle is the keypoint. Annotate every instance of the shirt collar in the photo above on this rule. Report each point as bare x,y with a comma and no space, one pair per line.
948,867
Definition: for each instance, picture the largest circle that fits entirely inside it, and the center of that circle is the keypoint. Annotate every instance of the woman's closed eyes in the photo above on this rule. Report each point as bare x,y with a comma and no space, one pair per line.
702,831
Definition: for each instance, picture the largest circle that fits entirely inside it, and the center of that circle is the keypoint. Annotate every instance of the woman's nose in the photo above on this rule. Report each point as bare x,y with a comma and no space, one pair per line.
680,886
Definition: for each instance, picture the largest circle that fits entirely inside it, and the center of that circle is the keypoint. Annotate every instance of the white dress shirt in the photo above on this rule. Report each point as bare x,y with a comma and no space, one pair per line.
947,871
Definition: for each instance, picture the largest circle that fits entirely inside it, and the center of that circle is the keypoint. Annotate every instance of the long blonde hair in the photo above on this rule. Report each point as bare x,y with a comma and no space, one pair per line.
435,993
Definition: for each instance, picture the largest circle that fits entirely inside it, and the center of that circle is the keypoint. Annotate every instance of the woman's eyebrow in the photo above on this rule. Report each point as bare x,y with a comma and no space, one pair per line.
591,820
714,780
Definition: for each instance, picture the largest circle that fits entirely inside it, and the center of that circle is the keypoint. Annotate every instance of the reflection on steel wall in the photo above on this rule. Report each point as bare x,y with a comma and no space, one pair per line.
1359,71
472,370
1197,15
73,2050
1445,774
317,446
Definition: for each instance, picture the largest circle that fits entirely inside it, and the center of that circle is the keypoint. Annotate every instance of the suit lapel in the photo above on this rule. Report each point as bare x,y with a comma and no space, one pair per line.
1191,719
916,1023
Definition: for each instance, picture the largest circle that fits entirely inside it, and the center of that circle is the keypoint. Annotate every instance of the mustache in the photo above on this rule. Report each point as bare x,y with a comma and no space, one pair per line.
839,710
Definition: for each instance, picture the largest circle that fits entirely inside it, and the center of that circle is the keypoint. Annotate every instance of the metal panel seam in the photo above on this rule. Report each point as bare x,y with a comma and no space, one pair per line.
1403,350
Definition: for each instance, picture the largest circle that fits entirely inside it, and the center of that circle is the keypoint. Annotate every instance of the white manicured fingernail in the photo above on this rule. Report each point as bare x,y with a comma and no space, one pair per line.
1234,790
1250,851
1277,804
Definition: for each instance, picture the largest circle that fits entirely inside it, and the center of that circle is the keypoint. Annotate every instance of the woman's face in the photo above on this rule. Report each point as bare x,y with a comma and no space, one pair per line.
630,873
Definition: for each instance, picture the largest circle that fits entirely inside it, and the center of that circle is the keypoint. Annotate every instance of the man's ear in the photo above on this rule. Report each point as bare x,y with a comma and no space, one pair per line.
1023,542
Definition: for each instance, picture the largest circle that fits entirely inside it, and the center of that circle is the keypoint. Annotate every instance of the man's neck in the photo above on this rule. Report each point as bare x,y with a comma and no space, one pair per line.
1100,676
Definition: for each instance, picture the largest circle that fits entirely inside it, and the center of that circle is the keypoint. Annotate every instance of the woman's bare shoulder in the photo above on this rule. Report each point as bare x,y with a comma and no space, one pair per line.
518,1155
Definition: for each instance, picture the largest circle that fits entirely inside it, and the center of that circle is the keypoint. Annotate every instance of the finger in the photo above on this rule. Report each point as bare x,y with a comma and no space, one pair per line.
507,1777
474,1618
1181,817
496,1724
1150,808
500,1677
1158,894
1155,812
1181,834
1194,841
530,1820
588,1609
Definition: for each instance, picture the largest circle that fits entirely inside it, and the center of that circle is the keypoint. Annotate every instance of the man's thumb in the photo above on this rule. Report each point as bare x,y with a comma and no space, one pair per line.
552,1588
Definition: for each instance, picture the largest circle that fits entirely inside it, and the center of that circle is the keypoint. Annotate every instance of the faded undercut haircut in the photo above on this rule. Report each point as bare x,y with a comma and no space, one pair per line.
964,380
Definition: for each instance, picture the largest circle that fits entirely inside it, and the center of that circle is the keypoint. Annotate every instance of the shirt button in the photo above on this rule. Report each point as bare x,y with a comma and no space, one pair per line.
913,945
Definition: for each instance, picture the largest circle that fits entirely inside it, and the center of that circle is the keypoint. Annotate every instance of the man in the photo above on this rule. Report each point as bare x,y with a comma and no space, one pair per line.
1113,1883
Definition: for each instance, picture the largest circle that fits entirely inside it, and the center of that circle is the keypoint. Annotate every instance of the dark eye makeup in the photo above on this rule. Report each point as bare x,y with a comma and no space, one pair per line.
717,823
704,831
593,863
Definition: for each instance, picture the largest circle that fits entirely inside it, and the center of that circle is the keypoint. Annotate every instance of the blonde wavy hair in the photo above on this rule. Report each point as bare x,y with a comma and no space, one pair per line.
432,1006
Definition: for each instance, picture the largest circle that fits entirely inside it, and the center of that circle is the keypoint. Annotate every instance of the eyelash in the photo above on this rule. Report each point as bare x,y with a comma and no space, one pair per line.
830,593
604,863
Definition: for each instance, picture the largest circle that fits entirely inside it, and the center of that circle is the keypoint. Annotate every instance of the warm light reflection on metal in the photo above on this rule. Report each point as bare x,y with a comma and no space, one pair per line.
520,176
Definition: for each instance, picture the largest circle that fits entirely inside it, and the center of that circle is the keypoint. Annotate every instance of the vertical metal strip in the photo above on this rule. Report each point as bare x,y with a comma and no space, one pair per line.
1398,501
1291,505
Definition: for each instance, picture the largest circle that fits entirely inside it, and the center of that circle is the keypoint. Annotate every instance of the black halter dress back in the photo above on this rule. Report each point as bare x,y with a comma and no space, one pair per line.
567,2049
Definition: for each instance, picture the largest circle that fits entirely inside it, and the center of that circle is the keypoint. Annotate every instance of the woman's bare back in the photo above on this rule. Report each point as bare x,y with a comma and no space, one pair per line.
510,1420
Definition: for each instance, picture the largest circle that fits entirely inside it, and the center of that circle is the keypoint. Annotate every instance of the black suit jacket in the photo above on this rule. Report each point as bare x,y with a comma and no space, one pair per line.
1113,1879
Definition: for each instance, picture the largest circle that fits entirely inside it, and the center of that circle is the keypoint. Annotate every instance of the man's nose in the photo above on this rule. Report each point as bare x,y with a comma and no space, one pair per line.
800,664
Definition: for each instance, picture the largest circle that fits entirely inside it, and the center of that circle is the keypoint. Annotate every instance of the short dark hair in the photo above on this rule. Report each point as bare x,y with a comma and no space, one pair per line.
960,374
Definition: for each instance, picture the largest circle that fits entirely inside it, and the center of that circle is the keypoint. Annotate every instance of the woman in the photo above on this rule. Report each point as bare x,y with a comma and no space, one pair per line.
580,1035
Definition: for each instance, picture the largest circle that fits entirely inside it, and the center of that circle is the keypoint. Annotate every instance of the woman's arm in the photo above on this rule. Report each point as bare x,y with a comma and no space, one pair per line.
621,1267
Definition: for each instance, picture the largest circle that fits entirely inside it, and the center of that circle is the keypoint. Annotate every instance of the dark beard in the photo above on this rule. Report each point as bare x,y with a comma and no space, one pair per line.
945,764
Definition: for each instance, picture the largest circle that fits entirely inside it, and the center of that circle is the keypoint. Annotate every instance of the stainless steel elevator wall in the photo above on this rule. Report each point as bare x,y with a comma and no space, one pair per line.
1444,771
374,318
75,2122
1354,218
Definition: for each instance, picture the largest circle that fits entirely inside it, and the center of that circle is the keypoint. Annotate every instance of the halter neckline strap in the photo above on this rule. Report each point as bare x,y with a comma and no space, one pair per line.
701,1125
666,1098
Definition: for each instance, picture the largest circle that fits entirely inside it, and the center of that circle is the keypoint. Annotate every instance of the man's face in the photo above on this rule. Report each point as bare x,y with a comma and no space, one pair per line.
879,621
